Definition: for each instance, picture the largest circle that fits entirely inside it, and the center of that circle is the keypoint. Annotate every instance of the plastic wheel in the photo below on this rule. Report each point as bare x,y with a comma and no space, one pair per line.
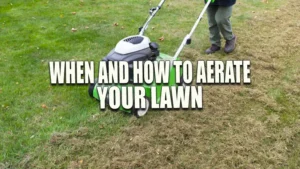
141,112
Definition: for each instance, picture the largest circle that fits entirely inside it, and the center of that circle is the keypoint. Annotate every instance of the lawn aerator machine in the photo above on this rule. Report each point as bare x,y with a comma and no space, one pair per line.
140,48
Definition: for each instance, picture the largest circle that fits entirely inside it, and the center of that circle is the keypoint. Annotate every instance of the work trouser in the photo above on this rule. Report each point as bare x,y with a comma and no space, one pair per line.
219,22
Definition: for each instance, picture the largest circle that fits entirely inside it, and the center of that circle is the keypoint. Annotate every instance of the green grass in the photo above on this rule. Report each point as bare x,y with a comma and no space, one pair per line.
33,32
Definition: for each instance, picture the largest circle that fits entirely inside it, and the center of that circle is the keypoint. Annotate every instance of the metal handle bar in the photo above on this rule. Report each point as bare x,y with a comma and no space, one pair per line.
153,12
187,38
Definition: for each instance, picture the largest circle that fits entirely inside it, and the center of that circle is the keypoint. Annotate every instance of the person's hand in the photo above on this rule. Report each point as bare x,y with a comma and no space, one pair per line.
212,1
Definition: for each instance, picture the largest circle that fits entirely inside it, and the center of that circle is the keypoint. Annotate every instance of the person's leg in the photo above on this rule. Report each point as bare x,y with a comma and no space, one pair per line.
223,15
214,32
223,21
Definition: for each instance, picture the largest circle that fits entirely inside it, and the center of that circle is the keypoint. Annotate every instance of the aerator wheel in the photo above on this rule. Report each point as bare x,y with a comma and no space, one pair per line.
91,88
141,112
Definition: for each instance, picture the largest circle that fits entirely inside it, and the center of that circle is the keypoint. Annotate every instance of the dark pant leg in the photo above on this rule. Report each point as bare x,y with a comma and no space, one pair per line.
214,32
222,17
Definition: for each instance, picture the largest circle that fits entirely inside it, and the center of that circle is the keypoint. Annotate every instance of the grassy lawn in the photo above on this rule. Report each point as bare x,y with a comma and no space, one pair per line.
59,126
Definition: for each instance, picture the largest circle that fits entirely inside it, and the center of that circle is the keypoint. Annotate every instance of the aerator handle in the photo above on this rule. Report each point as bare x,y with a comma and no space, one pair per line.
152,12
161,3
187,39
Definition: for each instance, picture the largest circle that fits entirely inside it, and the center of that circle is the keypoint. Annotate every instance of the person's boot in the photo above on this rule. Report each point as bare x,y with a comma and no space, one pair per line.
214,48
230,45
